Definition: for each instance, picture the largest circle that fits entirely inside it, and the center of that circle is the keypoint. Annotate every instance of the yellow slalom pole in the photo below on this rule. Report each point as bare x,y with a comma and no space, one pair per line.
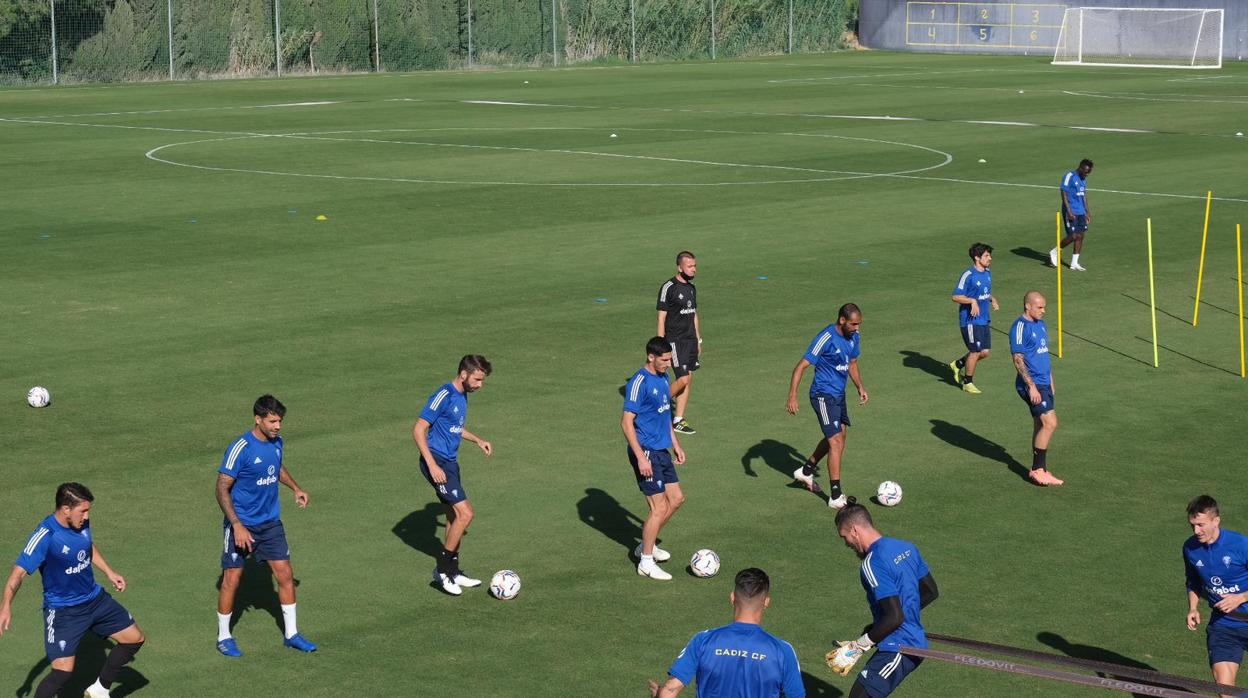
1239,276
1152,295
1059,284
1200,273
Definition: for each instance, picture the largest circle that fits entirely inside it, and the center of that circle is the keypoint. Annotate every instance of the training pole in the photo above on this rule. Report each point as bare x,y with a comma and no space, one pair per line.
1059,283
1239,276
1200,272
1152,295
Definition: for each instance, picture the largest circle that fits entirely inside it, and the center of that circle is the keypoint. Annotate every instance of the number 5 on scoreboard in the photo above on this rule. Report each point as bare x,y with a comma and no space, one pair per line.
983,33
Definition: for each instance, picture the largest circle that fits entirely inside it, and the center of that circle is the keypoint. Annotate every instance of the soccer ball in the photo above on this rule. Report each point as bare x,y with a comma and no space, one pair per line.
38,396
889,493
705,563
504,585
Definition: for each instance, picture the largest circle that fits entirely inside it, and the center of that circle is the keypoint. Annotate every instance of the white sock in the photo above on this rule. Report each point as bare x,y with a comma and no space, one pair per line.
677,418
1053,251
97,685
288,614
647,561
1074,259
223,626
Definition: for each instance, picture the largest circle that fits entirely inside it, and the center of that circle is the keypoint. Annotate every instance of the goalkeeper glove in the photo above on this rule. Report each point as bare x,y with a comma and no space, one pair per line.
842,659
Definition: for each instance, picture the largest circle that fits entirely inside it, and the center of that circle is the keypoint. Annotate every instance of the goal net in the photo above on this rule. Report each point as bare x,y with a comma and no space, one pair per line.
1140,37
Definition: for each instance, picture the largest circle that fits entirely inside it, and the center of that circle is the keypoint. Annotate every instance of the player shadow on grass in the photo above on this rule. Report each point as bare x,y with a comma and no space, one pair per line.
818,688
92,652
968,440
929,365
1097,654
258,591
1031,253
604,513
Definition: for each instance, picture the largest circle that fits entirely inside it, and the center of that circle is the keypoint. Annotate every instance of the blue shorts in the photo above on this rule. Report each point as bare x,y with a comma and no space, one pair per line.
268,542
662,469
452,491
63,628
977,337
885,671
1046,398
1078,226
831,412
1226,642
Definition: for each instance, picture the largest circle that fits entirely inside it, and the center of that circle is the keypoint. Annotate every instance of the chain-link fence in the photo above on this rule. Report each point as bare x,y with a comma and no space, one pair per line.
124,40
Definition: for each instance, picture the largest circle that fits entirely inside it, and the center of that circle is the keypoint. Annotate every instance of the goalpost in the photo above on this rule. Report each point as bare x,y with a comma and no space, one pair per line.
1140,37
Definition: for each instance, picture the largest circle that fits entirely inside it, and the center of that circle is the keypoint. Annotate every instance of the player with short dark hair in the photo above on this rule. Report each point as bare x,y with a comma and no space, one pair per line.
1075,213
1029,345
973,294
899,586
63,551
438,432
678,324
1216,563
834,354
740,659
649,431
247,493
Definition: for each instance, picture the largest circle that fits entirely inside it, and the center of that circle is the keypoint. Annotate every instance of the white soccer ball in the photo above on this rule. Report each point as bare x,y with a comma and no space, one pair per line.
504,585
888,493
705,563
38,396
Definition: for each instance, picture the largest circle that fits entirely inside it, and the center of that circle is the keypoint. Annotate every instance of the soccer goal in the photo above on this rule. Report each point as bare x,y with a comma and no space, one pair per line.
1140,37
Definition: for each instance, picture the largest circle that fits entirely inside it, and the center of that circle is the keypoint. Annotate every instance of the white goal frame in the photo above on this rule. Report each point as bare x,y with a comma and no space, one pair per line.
1069,27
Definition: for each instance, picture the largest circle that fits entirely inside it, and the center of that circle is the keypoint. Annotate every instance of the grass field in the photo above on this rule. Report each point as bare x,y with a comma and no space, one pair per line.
157,300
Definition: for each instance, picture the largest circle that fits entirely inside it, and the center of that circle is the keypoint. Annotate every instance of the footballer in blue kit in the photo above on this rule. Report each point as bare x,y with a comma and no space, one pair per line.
1029,346
1075,213
899,586
1215,560
649,431
739,660
247,480
973,294
437,433
834,354
62,550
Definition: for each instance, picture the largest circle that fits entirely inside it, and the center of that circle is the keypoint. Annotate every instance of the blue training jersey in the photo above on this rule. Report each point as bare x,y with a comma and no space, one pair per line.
446,411
1031,339
978,285
894,567
63,558
256,466
830,353
740,660
1217,570
1074,187
648,396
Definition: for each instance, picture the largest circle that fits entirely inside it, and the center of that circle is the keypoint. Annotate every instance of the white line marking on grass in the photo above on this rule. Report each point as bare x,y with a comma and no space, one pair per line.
1110,130
327,136
1238,99
996,123
525,104
187,109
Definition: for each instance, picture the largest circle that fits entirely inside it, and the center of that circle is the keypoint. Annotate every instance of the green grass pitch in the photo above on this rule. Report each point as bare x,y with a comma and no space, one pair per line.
157,300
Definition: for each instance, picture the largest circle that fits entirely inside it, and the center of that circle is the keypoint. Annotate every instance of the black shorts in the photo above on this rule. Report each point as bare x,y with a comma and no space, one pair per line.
1078,226
268,542
977,337
663,471
65,627
684,357
1046,398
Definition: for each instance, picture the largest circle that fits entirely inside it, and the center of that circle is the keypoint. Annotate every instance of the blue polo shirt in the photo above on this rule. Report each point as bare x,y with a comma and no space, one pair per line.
894,567
63,558
648,396
978,285
830,353
1031,339
1217,570
445,410
1074,187
739,660
256,466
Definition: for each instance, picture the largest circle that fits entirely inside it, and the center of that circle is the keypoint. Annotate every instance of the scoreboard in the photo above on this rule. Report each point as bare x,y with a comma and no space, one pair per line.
983,25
